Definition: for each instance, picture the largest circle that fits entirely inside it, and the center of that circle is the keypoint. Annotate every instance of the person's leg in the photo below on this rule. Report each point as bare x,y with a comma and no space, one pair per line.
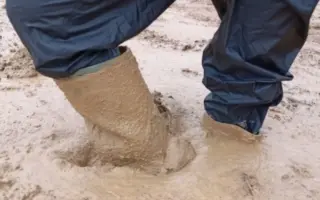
221,7
65,36
76,43
125,125
250,55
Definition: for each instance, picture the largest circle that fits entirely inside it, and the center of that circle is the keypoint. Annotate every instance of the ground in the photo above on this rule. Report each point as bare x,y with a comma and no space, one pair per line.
36,123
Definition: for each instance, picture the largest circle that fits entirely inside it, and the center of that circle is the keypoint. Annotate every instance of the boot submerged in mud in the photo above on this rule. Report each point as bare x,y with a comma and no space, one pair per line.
232,131
125,125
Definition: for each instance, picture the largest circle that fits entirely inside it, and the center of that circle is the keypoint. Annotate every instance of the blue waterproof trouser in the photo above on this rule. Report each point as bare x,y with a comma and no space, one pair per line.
250,55
244,64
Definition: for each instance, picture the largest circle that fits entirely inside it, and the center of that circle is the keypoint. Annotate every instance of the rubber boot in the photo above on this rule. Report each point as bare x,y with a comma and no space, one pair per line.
213,127
123,121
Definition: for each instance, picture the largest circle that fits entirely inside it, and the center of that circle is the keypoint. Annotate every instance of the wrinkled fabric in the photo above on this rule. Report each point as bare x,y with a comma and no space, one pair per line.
64,36
250,55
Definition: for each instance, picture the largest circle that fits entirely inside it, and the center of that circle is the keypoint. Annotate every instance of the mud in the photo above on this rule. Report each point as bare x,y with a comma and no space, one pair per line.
37,123
124,123
17,64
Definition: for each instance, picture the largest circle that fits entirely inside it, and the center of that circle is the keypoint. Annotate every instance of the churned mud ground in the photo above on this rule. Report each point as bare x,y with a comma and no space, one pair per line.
37,123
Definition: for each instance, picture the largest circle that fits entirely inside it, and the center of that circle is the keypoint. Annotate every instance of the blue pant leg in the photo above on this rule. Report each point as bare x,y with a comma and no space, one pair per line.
250,55
64,36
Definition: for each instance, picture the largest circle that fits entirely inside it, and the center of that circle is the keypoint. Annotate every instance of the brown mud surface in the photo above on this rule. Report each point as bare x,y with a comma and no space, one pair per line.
36,121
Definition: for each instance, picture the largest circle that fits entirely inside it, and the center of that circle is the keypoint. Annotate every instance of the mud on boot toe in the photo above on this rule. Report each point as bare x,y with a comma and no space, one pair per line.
213,127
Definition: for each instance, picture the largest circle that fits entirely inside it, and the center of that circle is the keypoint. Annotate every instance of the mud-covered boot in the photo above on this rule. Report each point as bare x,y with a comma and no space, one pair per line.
123,121
232,131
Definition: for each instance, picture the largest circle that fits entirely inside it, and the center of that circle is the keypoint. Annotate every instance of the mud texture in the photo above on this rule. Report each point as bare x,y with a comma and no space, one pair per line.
126,127
42,136
18,64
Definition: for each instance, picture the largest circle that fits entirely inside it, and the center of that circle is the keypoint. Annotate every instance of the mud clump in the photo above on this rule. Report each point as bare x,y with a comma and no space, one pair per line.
158,100
189,71
18,64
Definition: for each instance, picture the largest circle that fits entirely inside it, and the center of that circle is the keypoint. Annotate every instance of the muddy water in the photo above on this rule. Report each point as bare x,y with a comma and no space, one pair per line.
36,122
34,128
224,168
